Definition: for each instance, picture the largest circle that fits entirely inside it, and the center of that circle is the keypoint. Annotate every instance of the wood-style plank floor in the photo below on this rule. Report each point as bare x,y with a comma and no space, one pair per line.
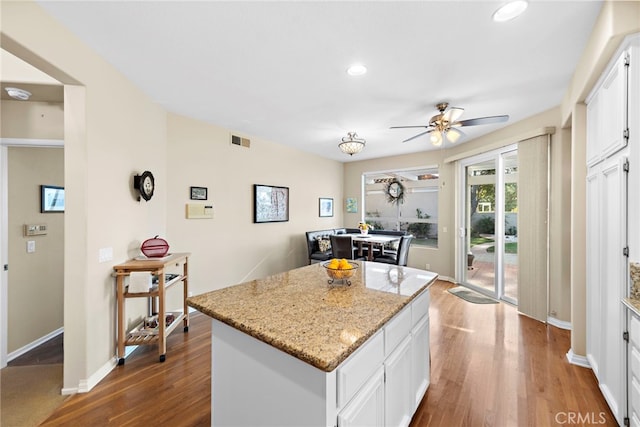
490,367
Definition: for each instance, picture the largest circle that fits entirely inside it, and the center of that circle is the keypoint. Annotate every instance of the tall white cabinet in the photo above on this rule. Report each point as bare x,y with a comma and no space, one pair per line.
612,147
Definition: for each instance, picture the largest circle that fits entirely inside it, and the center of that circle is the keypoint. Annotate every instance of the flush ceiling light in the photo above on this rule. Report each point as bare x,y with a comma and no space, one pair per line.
356,70
351,144
17,93
510,10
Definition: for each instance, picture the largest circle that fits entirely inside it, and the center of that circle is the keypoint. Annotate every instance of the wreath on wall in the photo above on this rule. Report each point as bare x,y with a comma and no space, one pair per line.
394,190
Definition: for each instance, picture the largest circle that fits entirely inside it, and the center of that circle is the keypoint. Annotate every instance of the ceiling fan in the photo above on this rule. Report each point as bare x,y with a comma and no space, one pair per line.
445,124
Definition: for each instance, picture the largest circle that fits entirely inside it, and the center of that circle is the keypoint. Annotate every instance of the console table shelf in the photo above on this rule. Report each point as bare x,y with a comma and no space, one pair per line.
156,296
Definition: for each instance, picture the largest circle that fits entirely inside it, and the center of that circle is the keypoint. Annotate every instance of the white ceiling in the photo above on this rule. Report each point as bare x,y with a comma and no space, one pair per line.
276,70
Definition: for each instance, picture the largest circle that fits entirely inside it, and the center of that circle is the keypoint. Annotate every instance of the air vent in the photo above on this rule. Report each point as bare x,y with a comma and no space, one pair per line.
240,141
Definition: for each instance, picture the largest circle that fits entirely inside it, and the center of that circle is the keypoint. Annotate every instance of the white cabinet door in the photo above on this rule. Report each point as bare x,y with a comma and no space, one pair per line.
398,394
367,406
633,376
613,108
594,301
613,283
594,139
420,363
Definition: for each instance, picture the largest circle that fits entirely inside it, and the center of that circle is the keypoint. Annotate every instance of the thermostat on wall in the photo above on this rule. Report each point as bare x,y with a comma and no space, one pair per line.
199,211
35,229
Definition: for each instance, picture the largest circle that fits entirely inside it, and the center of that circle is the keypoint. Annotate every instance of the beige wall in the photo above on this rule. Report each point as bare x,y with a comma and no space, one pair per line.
35,287
112,133
230,248
32,120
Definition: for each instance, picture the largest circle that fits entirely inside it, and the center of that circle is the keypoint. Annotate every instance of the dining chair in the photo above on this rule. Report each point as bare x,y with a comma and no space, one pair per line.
401,257
342,246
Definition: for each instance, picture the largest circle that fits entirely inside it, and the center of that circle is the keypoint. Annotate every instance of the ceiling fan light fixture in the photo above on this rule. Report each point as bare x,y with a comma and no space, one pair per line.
436,138
453,135
510,10
356,70
18,93
351,144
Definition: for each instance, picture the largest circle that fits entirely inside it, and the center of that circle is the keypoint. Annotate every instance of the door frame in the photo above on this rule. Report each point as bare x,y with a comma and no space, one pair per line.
461,201
5,143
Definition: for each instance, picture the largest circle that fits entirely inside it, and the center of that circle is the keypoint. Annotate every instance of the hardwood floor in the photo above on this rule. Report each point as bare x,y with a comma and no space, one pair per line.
48,353
490,367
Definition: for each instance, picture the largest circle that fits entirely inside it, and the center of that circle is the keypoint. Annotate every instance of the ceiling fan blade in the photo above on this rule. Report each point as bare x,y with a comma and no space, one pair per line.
418,135
482,121
452,114
407,127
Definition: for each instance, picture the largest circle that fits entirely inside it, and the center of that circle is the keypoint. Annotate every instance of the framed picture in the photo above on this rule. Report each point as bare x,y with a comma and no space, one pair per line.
270,204
352,205
199,193
326,207
51,199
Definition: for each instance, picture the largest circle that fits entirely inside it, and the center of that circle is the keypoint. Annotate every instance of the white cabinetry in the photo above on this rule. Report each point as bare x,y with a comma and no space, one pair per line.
380,384
634,367
608,153
405,368
398,393
606,113
367,408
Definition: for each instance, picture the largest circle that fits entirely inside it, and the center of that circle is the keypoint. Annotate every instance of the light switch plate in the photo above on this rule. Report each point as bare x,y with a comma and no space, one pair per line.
31,246
105,254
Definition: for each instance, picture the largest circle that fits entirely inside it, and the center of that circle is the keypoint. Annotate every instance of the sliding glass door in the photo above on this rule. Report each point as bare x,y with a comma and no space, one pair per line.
488,223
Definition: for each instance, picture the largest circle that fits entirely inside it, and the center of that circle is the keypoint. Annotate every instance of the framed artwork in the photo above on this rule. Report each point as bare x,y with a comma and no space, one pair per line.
326,206
51,199
199,193
352,205
270,204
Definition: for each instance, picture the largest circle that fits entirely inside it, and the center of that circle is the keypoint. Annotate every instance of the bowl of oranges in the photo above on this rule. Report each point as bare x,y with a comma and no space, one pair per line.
340,269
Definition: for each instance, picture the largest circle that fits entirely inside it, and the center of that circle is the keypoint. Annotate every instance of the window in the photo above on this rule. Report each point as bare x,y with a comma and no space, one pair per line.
414,208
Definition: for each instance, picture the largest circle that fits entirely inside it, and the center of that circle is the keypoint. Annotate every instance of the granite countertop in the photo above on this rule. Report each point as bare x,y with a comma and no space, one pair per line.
300,313
633,304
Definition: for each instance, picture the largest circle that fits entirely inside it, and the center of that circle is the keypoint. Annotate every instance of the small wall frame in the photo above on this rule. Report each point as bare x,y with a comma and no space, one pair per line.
325,206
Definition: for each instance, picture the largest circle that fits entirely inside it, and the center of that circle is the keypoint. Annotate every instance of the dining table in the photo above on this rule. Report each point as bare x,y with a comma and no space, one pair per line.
372,241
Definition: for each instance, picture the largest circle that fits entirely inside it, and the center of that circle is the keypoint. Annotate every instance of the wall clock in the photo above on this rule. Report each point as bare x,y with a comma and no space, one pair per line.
145,184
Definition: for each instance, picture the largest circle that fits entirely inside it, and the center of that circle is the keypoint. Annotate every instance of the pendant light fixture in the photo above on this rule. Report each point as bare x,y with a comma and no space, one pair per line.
351,144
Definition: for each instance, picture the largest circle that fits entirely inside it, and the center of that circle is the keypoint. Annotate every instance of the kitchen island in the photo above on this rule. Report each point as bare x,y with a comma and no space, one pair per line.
294,350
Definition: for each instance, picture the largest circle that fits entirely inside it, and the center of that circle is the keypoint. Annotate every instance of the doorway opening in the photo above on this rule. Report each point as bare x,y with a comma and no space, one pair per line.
488,253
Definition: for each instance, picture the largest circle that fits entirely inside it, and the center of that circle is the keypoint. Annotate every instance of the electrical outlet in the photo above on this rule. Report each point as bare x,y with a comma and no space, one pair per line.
427,266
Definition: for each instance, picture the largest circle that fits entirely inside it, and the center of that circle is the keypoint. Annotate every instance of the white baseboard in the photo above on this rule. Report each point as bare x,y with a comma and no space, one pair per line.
85,385
19,352
448,279
559,323
575,359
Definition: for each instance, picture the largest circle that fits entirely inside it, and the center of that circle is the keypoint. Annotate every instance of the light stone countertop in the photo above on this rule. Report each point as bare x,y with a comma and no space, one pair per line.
633,304
300,313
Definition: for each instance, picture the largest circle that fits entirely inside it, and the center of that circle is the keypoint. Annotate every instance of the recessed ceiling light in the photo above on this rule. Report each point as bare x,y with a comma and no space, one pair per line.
16,93
510,10
356,70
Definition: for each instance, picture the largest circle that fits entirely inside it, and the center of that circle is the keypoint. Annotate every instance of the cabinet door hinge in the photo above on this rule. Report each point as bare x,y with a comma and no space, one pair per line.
625,251
626,421
625,166
625,134
6,267
627,59
625,336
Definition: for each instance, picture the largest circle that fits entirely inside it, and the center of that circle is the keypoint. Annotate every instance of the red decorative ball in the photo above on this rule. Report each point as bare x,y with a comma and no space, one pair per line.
155,247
